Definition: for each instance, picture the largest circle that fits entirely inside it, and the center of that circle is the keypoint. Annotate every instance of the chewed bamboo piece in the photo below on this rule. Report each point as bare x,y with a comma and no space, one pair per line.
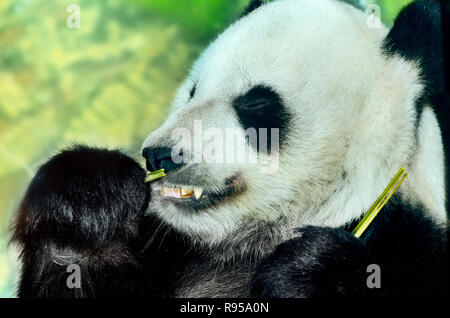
380,202
154,175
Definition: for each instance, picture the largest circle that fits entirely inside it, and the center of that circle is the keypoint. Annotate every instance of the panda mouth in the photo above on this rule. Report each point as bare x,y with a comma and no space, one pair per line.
196,198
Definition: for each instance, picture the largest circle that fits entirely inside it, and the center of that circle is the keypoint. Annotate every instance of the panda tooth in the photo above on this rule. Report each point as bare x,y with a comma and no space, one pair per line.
186,193
198,192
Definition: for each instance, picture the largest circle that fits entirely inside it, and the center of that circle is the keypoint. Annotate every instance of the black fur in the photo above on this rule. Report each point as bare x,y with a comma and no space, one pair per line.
94,195
410,249
255,4
262,107
87,207
417,36
166,255
445,4
441,102
324,262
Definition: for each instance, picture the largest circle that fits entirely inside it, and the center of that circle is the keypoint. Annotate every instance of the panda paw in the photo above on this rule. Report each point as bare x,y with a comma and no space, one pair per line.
321,262
86,197
82,212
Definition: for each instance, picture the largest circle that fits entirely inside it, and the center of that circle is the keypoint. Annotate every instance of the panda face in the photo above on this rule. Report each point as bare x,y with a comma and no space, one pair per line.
311,70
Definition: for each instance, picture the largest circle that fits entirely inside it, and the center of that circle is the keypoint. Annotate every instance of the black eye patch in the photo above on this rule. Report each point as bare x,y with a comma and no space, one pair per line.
262,107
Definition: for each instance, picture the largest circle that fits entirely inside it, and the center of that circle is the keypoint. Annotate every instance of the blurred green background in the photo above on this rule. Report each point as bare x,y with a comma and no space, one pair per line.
107,83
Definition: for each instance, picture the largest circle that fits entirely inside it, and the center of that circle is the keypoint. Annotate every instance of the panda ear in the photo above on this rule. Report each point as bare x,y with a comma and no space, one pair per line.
255,4
417,36
356,3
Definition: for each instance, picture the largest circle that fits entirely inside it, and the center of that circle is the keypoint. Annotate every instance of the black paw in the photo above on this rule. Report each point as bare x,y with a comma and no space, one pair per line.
84,197
83,208
321,262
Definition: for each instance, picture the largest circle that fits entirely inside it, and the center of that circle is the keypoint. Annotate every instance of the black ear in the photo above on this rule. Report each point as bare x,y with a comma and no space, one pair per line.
255,4
356,3
417,36
446,28
421,33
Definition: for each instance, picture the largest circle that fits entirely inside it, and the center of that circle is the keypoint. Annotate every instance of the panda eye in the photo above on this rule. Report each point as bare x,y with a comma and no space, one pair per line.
261,107
257,99
192,92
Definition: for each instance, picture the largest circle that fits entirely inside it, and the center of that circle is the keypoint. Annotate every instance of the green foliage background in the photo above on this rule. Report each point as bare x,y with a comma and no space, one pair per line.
108,83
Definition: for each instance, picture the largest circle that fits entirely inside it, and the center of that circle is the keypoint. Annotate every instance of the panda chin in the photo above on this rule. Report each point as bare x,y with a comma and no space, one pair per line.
194,198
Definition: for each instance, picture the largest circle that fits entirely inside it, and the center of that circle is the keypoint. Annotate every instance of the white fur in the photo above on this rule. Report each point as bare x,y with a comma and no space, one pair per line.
426,171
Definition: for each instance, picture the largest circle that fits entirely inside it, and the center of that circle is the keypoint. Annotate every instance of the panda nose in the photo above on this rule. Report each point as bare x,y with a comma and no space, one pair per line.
160,158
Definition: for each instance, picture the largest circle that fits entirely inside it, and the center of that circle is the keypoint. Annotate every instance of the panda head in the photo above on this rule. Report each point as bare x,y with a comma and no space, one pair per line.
328,107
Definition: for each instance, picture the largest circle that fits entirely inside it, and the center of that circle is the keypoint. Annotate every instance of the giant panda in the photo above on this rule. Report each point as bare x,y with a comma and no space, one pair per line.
337,107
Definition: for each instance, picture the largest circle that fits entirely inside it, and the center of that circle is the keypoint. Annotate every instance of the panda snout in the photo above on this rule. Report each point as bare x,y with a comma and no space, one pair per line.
157,158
